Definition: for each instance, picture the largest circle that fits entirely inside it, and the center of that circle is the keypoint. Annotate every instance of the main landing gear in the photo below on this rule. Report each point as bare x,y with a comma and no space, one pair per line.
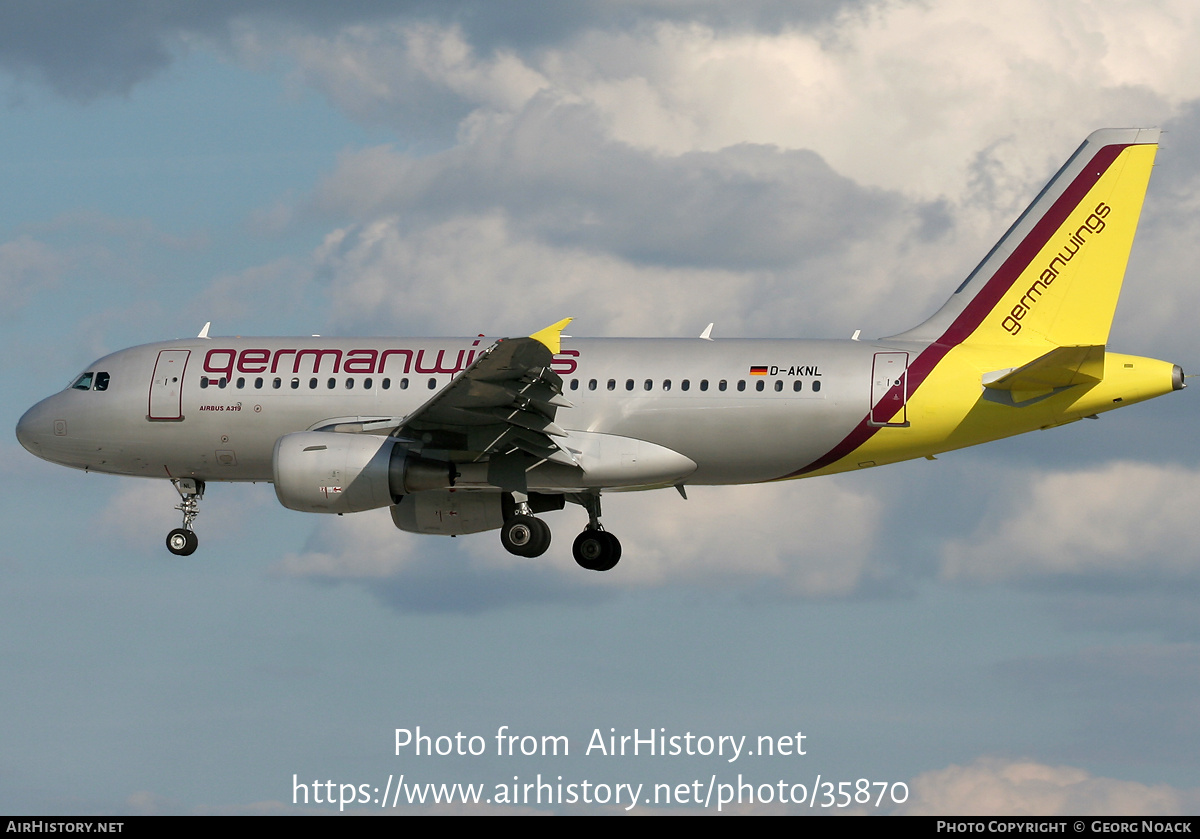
182,541
595,548
524,534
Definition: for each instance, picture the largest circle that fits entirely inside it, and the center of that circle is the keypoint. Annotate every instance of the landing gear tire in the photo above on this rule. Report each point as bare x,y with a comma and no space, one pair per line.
182,542
525,536
596,550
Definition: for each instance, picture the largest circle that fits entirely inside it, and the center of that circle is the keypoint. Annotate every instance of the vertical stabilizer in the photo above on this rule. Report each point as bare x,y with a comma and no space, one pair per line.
1053,279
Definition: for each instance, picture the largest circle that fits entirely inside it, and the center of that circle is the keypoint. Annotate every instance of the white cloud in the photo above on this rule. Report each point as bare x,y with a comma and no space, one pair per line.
378,72
901,96
471,275
996,787
140,513
810,538
1124,518
279,287
574,165
740,537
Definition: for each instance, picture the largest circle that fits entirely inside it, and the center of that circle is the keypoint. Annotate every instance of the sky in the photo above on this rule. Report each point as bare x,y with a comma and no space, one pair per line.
1009,629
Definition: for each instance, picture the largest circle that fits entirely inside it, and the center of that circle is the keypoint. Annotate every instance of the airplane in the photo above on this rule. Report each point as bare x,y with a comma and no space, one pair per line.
460,436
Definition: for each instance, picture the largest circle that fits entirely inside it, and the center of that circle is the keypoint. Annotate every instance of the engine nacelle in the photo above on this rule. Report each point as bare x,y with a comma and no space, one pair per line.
449,513
335,472
457,512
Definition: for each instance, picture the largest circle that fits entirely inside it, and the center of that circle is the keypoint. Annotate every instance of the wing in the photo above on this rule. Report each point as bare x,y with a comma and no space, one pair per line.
500,409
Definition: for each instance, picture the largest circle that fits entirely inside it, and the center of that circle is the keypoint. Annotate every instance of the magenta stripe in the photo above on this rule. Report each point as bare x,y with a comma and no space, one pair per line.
984,301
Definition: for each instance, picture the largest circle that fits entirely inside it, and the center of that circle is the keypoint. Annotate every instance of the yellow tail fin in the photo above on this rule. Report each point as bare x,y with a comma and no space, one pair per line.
1054,278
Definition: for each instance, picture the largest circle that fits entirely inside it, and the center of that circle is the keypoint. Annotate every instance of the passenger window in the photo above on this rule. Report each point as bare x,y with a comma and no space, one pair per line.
241,382
796,385
101,382
685,384
574,384
704,384
222,382
295,384
84,382
403,383
332,383
612,384
367,383
349,384
816,386
759,385
387,383
778,385
629,384
258,383
666,384
741,384
722,385
432,383
649,384
277,383
312,383
203,382
591,384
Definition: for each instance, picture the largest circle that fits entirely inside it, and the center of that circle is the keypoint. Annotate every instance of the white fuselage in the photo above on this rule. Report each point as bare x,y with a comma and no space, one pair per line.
742,410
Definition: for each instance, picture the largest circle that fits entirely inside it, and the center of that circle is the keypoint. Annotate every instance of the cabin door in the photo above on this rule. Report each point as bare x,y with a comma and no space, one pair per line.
166,388
889,389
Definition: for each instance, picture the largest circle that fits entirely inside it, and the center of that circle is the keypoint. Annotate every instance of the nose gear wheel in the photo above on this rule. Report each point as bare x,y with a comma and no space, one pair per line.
182,541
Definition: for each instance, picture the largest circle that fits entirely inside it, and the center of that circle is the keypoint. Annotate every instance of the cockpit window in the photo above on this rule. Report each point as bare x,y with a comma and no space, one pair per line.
91,380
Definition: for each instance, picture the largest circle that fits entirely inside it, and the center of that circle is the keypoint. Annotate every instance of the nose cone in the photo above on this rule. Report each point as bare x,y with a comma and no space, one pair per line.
33,428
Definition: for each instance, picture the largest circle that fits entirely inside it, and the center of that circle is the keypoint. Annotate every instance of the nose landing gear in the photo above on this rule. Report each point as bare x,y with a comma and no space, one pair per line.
182,541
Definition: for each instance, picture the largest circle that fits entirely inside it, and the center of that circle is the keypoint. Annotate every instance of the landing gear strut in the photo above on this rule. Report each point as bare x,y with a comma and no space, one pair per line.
523,533
595,548
182,541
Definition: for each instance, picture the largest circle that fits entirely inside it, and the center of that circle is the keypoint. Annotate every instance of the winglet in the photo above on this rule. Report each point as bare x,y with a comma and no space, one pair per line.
551,336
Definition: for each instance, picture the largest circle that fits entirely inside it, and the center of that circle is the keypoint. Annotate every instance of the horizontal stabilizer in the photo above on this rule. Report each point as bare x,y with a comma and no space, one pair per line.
1063,367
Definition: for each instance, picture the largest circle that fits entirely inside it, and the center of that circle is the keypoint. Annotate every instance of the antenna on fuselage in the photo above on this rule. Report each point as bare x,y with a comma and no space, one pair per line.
706,335
204,332
854,337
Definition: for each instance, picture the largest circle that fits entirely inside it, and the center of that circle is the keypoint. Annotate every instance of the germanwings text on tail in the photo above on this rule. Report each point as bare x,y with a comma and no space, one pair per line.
464,435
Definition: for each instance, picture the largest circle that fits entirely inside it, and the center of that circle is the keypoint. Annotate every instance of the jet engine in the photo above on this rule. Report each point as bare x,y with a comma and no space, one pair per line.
337,472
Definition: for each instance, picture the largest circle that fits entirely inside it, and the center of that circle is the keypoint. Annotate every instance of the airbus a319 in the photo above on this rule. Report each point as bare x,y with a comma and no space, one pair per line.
458,436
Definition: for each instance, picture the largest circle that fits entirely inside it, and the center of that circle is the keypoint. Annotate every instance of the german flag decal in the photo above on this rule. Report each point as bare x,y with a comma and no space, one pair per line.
758,370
